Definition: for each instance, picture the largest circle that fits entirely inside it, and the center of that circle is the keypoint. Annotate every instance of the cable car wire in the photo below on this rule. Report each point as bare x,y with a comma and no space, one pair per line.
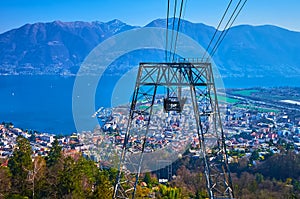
167,31
178,27
228,6
224,32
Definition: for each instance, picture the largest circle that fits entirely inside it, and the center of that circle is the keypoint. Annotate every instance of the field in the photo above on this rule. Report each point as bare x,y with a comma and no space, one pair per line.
227,99
246,93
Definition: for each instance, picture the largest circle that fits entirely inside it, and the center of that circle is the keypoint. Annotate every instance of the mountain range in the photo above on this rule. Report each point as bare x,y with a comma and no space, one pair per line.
60,47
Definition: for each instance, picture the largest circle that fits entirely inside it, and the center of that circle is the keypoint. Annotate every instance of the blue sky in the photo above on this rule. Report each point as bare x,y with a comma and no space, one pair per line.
15,13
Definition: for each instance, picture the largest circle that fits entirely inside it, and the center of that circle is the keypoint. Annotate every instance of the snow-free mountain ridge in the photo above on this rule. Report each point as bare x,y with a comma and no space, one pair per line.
60,47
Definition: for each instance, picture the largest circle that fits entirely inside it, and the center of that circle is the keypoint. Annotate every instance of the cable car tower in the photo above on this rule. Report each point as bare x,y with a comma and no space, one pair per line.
197,77
184,78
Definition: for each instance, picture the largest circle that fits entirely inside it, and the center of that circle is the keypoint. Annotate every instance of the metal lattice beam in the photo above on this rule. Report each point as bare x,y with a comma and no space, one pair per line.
198,78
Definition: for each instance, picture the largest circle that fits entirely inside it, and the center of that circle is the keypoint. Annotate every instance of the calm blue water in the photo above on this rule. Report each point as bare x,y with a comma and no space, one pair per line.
44,103
41,103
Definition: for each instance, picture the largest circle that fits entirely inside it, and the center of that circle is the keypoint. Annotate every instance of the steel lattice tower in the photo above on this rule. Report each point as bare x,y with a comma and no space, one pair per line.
197,77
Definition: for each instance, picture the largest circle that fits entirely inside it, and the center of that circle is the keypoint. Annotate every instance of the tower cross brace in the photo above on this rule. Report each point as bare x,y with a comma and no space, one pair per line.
197,77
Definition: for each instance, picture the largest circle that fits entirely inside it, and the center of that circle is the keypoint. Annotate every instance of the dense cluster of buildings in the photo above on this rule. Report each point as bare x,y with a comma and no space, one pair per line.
246,131
267,132
41,143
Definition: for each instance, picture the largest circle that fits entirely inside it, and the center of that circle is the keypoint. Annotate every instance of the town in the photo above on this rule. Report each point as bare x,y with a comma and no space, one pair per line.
250,128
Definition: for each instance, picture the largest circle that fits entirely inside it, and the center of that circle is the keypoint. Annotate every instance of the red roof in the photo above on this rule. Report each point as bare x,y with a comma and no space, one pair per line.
5,164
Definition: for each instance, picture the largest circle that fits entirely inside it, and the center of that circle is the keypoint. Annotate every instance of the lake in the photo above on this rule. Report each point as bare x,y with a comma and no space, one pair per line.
44,103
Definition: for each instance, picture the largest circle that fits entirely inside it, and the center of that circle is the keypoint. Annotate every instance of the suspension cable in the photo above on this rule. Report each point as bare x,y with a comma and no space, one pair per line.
167,31
226,31
173,27
178,26
228,6
227,25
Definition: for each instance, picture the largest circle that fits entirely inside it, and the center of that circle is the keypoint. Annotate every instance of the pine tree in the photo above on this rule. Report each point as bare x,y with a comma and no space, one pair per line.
147,179
5,181
21,167
54,154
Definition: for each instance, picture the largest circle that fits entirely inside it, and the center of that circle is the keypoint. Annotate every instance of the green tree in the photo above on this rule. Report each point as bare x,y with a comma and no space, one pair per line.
103,185
21,167
254,156
39,177
169,192
50,188
54,154
77,178
259,178
5,181
55,162
147,178
142,192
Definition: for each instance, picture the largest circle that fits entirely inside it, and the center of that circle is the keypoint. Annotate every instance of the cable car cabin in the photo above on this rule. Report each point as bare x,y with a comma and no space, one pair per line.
173,104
